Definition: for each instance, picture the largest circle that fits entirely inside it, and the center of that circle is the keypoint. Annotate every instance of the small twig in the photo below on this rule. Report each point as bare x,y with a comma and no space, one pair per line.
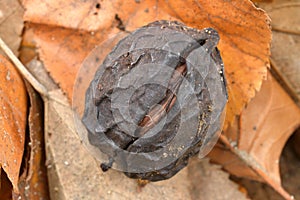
22,69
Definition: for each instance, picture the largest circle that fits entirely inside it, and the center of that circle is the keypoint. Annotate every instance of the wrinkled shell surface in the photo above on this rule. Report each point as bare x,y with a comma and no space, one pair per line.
157,99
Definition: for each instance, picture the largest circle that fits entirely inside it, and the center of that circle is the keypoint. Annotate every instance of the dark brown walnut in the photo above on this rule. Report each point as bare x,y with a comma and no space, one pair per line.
157,99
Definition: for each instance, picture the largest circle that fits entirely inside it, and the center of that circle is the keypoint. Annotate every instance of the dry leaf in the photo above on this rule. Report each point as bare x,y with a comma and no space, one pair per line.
33,182
11,24
209,182
244,44
28,46
244,31
290,175
62,52
285,44
252,147
86,15
13,112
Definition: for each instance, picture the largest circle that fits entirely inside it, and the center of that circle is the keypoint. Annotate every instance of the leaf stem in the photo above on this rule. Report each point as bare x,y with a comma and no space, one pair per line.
257,168
23,70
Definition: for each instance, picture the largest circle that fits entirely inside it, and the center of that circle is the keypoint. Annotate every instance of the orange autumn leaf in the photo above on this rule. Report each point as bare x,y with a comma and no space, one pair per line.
89,15
13,112
245,38
63,51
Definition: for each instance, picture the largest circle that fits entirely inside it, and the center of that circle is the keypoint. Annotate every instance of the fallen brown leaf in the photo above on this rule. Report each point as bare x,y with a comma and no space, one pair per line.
285,44
33,181
252,146
89,15
290,176
28,47
11,23
244,44
13,112
63,50
210,182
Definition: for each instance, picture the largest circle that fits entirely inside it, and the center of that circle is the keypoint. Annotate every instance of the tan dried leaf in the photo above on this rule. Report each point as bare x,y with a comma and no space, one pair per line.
210,182
11,24
252,146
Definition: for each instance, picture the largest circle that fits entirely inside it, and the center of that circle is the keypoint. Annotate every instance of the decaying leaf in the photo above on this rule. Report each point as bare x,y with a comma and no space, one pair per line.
290,176
252,146
13,112
91,15
33,183
244,30
11,23
28,47
63,50
210,182
285,43
244,44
